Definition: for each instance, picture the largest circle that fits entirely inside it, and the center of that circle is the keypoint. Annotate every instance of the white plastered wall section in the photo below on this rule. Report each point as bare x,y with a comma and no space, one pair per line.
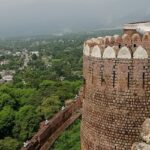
109,52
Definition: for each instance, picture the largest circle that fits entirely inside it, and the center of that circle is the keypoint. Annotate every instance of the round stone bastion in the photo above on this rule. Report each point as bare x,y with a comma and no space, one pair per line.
116,91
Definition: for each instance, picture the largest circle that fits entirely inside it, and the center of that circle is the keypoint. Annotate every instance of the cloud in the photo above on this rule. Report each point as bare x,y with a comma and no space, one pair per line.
43,16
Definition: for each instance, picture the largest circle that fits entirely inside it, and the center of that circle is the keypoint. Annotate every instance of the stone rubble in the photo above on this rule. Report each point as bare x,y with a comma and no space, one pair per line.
145,135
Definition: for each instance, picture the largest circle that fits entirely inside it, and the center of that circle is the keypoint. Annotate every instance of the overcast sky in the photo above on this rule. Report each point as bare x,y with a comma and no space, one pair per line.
27,17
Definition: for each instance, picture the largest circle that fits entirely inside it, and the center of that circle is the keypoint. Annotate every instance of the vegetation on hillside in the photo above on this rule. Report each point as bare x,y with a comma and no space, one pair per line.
70,139
40,85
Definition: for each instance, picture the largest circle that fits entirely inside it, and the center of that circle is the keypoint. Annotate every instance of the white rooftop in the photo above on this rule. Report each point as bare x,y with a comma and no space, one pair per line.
140,27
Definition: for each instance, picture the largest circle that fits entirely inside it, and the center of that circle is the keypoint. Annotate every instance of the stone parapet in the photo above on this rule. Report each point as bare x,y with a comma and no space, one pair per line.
125,46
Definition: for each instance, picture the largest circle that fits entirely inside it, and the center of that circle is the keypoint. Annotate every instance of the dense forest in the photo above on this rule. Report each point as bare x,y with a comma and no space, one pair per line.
40,85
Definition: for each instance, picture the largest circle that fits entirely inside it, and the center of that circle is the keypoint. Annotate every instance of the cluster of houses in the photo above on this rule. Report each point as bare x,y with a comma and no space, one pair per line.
6,76
4,62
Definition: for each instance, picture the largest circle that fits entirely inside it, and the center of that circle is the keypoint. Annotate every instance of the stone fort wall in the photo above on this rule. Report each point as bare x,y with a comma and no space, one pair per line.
116,91
51,129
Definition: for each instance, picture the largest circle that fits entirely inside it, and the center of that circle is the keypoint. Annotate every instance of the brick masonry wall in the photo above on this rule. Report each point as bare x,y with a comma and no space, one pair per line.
46,131
117,101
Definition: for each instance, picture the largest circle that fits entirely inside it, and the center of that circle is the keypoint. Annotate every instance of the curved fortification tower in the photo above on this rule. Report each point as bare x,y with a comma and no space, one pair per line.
116,91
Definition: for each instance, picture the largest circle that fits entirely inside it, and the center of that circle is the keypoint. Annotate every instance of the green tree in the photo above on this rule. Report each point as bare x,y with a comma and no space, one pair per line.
7,117
49,106
0,76
7,100
27,122
34,57
9,144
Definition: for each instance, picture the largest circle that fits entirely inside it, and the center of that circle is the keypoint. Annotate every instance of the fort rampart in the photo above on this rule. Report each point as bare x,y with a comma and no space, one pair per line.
116,91
51,130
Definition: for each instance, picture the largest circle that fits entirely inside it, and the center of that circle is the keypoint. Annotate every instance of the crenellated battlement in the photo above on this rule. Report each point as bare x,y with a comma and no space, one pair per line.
116,71
125,46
